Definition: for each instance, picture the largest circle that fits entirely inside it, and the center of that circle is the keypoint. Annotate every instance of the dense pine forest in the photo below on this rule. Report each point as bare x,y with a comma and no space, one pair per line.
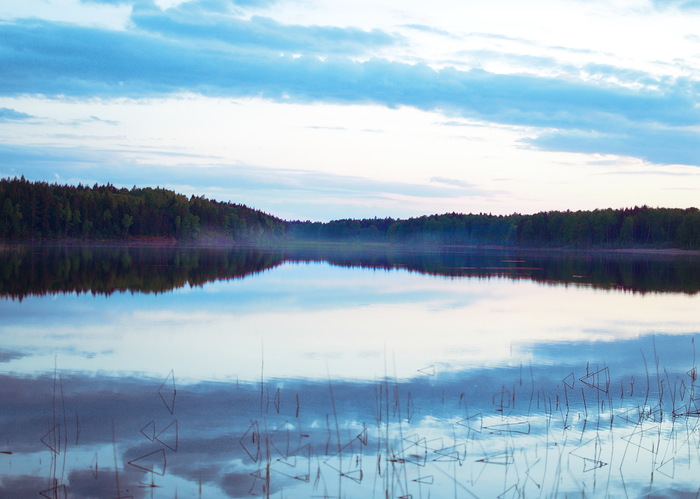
637,227
40,211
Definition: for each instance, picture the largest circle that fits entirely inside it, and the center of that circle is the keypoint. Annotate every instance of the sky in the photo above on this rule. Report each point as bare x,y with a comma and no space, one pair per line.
318,110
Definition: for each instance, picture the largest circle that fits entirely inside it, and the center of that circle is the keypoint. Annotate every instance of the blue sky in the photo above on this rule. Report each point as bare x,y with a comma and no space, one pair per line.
322,110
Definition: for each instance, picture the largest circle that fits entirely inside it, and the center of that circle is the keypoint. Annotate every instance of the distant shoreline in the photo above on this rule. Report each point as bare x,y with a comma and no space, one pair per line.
42,213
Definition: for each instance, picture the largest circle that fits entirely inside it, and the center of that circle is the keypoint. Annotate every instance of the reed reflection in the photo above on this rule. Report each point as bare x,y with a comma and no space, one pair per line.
627,428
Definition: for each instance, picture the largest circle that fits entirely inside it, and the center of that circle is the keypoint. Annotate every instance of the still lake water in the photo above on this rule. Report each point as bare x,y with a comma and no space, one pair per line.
178,372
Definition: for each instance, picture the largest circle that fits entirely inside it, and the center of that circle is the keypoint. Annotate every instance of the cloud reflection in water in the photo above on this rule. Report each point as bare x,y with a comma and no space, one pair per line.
313,380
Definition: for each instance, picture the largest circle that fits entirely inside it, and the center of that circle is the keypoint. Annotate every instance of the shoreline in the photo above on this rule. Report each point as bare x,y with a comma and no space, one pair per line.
352,246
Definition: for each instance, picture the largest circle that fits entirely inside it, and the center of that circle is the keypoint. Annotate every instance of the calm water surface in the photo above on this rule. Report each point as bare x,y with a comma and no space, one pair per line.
219,373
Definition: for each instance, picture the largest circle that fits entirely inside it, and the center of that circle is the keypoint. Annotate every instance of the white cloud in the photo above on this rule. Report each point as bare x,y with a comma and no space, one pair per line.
102,15
369,98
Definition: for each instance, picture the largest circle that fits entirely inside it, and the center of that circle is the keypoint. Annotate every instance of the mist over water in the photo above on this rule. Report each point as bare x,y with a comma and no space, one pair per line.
179,372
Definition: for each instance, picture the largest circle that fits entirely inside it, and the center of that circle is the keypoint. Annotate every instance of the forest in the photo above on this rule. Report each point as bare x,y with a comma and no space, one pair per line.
638,227
39,210
43,211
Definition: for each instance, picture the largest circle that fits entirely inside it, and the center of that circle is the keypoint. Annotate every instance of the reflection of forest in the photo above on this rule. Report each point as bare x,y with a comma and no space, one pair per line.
629,272
39,270
640,273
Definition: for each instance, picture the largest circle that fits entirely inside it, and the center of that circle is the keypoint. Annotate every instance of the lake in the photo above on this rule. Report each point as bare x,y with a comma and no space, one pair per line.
220,373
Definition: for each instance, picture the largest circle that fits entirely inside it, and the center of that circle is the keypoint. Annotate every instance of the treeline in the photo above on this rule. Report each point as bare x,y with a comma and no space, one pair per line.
630,227
30,210
38,210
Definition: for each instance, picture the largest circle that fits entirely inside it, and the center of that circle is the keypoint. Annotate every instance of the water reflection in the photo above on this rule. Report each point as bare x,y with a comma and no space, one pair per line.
40,270
572,428
641,273
46,269
318,380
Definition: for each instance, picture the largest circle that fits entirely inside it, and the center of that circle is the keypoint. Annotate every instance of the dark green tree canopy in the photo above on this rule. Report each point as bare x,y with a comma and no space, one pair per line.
31,210
39,210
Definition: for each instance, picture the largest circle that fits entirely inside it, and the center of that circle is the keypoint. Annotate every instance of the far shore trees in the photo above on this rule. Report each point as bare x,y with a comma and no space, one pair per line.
41,211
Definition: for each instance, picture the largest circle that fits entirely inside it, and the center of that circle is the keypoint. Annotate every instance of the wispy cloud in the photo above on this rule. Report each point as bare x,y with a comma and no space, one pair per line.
58,59
679,4
10,115
451,182
319,127
78,61
428,29
656,144
73,165
90,119
258,32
